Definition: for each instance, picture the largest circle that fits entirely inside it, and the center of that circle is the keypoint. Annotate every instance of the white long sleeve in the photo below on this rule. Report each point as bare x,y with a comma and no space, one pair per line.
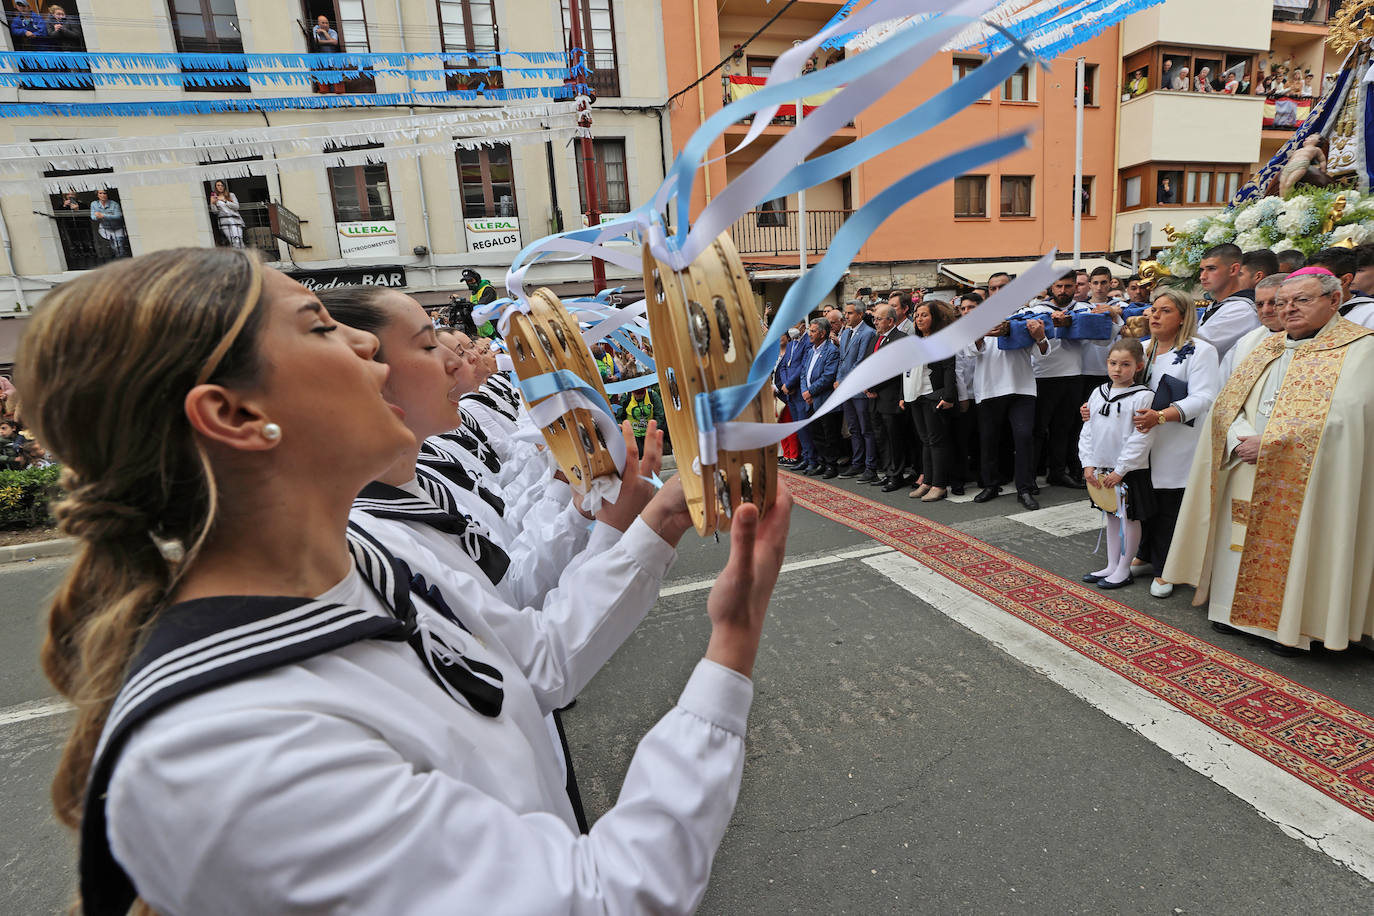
560,644
350,783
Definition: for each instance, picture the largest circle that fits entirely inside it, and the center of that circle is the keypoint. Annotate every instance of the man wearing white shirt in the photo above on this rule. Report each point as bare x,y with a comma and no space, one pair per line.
1232,314
1005,382
1058,387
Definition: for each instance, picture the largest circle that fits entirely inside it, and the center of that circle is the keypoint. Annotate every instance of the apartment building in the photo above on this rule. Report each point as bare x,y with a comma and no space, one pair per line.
1012,211
413,221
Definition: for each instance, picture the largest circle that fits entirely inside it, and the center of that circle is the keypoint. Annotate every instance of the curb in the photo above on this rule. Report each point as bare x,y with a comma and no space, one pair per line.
19,553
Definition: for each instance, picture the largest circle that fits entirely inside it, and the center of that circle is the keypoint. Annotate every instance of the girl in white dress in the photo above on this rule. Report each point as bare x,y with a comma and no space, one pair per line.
1116,455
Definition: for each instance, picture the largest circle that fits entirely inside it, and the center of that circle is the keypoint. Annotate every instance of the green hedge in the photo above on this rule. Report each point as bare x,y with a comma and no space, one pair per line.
25,495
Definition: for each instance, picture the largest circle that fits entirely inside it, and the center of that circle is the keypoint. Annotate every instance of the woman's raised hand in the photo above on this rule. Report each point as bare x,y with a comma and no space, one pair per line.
739,599
635,487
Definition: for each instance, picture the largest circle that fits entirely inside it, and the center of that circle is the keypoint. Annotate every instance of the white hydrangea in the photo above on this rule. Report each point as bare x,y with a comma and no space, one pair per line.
1218,233
1250,240
1225,217
1355,232
1247,220
1352,198
1193,225
1297,205
1268,207
1283,244
1290,222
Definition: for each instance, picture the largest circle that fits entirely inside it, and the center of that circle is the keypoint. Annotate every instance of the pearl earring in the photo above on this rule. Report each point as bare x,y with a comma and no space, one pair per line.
271,432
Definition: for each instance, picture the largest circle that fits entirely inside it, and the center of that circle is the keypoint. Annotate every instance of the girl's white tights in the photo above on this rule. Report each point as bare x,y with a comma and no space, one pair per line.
1119,555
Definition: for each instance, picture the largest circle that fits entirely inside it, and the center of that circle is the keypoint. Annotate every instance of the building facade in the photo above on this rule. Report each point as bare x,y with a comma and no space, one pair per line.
417,220
1014,210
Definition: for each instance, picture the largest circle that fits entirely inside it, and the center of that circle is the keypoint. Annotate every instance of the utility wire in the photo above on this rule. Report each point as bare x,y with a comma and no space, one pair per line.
732,55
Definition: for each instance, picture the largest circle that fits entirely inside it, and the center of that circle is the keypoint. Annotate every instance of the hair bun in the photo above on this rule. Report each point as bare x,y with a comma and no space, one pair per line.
93,516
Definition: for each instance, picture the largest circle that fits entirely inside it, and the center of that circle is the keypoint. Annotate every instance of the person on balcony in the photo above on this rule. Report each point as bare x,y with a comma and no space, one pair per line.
326,41
64,32
109,223
225,208
28,28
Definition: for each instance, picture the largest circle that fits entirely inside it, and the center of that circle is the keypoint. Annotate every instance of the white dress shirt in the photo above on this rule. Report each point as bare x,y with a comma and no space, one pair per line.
351,782
1003,372
1171,456
1094,352
965,367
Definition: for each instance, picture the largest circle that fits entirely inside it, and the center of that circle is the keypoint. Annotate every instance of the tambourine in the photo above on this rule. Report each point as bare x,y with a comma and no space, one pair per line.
545,339
706,331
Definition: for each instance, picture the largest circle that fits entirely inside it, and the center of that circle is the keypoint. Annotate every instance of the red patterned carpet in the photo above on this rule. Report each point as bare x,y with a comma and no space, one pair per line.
1315,738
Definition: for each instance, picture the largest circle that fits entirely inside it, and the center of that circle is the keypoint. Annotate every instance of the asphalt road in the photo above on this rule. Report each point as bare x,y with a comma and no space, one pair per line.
898,762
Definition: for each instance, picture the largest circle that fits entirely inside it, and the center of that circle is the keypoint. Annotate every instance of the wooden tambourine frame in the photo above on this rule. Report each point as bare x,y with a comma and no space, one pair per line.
545,339
706,331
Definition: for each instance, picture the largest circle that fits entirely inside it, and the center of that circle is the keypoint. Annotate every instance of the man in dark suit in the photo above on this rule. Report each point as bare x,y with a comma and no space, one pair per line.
856,341
818,370
786,381
886,398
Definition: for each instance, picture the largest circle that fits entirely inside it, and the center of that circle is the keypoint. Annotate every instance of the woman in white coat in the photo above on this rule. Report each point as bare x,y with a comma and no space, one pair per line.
1176,357
274,714
224,206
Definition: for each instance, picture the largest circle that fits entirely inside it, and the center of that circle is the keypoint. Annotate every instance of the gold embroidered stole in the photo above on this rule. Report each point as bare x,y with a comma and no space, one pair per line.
1288,449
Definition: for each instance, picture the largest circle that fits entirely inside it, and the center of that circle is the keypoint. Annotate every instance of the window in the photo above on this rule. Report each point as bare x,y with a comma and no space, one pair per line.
343,30
362,193
209,27
773,212
612,179
971,196
1130,192
760,66
469,26
1017,87
54,28
1089,85
486,181
1016,195
597,38
963,66
1169,185
251,197
1087,196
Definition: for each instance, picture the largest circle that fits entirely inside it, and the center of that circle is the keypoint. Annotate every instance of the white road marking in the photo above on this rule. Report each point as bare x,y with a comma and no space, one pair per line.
1073,518
861,553
1296,808
36,709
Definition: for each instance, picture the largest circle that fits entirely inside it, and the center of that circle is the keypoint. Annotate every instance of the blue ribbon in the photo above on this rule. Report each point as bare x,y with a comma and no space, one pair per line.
727,403
550,383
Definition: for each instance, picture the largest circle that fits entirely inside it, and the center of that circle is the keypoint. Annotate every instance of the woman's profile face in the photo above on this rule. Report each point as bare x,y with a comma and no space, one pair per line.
423,372
321,385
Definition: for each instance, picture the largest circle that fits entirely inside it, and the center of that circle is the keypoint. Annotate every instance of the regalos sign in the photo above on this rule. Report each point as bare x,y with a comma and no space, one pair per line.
368,240
496,233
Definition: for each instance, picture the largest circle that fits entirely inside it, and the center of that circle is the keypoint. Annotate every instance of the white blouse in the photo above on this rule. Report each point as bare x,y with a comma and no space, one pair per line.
1172,454
351,782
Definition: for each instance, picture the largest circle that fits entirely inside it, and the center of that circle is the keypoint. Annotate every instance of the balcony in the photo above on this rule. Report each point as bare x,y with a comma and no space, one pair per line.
775,232
84,248
257,230
1306,12
1190,127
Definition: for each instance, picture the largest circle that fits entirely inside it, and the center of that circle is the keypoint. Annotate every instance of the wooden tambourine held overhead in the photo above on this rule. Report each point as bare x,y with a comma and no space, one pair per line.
706,331
546,339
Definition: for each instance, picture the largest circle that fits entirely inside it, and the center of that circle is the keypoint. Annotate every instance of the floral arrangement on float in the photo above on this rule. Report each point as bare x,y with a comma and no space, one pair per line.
1311,219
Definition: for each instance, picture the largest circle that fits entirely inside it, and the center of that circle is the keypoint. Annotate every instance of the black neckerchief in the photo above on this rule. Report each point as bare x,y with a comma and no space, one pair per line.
1106,391
196,646
494,402
440,512
468,436
453,470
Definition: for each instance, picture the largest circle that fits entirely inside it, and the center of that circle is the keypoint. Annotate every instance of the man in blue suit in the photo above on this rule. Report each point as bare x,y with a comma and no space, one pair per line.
787,383
821,363
855,341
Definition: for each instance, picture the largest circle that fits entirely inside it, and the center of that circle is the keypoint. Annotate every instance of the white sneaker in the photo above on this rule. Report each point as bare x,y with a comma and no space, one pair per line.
1161,589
